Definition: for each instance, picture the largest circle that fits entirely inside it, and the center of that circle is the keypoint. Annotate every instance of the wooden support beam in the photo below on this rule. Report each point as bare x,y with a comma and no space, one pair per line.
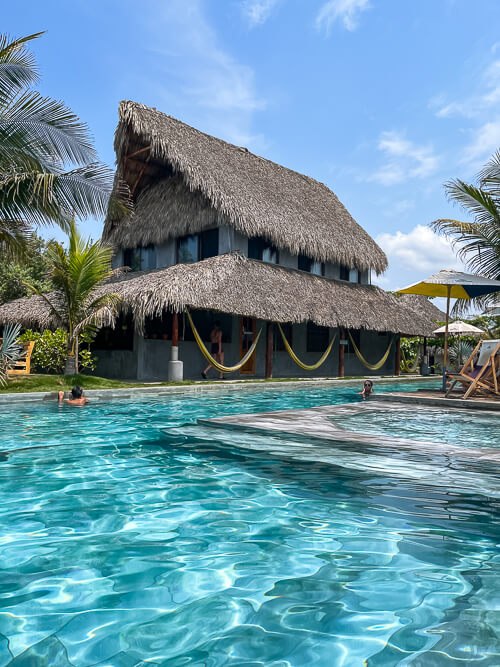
139,176
175,330
342,334
397,362
142,150
269,350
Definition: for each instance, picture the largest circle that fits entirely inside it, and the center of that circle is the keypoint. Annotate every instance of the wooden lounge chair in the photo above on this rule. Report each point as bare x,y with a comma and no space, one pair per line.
23,365
482,375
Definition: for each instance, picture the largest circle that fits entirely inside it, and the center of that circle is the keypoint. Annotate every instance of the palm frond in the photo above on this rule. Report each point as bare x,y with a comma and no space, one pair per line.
17,65
44,127
42,198
472,199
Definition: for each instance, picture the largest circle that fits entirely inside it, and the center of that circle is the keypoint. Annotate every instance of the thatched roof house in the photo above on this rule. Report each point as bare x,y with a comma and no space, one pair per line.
184,181
223,231
221,284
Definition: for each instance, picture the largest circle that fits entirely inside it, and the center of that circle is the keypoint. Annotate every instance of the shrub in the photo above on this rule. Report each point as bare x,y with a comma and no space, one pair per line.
49,351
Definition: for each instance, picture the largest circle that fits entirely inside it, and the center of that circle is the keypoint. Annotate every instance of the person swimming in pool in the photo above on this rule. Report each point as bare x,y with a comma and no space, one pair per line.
215,349
367,389
76,397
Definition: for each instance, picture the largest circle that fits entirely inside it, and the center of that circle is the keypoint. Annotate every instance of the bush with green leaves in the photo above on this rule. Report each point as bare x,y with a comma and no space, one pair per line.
50,350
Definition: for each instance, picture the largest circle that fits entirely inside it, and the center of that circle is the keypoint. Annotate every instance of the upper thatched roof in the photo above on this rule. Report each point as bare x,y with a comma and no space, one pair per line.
184,181
234,284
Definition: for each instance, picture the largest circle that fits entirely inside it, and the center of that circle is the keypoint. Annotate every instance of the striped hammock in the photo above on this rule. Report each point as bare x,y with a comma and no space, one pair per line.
295,358
211,360
372,367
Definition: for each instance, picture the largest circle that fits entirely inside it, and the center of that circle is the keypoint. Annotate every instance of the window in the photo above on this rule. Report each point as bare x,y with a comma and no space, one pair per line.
188,249
209,243
354,276
317,338
308,264
344,272
278,340
259,248
194,247
141,258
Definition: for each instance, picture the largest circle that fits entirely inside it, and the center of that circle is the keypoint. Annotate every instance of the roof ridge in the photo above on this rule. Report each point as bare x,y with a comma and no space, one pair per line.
212,137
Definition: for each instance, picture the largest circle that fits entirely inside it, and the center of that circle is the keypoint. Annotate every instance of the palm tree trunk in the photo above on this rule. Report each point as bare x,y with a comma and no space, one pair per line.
70,366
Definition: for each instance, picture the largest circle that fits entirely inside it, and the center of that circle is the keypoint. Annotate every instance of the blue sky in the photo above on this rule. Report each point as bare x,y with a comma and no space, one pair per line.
382,100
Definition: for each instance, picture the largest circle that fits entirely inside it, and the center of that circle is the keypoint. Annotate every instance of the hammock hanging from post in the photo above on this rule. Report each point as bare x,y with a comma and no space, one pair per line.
408,367
372,367
299,363
211,360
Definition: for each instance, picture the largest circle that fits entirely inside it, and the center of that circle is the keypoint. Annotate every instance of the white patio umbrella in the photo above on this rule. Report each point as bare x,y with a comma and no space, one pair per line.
459,328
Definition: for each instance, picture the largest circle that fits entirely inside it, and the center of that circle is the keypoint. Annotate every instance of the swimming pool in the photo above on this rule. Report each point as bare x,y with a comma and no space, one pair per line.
467,428
120,546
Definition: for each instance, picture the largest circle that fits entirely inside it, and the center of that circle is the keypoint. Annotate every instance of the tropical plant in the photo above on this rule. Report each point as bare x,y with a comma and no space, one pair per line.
32,268
76,274
10,350
477,242
39,139
50,351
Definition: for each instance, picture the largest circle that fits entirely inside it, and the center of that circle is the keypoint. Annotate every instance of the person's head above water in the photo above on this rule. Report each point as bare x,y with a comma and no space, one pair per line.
77,392
367,385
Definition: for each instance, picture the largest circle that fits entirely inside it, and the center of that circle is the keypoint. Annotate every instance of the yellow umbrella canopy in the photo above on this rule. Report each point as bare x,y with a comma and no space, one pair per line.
452,285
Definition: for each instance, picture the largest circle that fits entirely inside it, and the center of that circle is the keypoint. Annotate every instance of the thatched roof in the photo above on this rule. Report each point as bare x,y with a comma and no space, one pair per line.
424,307
185,181
234,284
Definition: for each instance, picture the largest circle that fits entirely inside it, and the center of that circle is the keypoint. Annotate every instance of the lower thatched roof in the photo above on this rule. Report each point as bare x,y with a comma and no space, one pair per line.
423,306
234,284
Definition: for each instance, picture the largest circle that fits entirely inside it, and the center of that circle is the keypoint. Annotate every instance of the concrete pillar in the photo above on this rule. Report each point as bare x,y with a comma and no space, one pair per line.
175,367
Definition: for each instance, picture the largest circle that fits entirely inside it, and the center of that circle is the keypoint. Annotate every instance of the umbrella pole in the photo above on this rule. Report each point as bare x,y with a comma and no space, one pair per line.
445,360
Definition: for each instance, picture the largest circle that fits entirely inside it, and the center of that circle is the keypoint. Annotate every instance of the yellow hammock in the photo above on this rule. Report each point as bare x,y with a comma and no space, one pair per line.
298,361
211,360
406,366
372,367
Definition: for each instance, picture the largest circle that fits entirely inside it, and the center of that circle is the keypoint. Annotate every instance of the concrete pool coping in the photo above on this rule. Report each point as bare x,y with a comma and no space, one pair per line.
202,386
317,424
437,400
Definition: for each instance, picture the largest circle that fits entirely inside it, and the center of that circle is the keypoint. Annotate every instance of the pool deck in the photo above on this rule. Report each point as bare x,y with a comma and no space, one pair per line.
316,424
437,399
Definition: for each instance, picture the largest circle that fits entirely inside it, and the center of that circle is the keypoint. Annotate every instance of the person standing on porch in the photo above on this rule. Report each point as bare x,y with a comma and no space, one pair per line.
215,348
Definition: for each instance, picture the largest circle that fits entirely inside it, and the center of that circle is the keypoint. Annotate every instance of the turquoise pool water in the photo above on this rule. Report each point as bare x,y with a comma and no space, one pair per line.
122,546
458,427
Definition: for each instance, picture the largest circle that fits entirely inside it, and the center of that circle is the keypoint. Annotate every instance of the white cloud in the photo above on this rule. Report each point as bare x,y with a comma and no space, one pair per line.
405,160
485,142
415,255
258,11
207,86
346,11
486,97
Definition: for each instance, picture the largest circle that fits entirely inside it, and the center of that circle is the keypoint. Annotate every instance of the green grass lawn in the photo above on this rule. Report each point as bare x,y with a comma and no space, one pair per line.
61,382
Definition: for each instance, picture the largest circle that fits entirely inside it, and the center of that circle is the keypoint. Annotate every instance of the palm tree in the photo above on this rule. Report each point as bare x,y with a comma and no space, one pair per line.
76,275
478,242
39,139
